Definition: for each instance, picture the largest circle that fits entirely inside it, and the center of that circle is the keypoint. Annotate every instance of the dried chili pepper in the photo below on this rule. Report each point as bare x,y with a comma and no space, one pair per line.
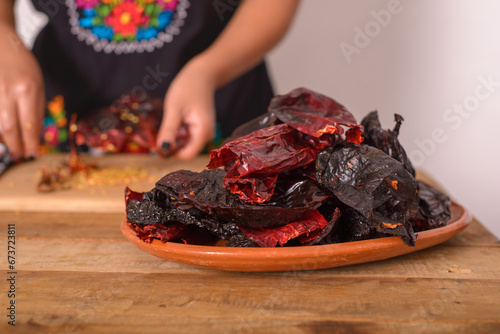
265,120
130,125
241,240
59,177
434,208
156,207
354,226
311,122
320,236
369,181
132,195
313,222
291,179
294,197
315,114
198,236
386,140
258,158
159,231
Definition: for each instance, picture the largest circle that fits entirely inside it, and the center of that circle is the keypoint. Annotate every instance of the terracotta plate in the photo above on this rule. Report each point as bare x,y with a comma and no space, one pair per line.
299,258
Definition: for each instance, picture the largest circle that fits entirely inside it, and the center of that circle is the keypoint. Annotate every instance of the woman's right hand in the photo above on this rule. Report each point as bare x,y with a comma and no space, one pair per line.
22,100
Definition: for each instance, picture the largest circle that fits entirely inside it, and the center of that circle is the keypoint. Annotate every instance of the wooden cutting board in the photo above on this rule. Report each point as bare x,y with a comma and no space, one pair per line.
18,185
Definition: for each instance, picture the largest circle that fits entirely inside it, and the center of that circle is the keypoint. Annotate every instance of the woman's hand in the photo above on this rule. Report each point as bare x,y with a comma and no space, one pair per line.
21,96
189,100
256,26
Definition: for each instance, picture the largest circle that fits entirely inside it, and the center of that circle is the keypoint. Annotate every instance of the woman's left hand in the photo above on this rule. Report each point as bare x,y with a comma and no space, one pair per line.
190,101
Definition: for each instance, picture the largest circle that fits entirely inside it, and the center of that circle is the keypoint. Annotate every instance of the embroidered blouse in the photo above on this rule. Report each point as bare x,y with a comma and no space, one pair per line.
92,51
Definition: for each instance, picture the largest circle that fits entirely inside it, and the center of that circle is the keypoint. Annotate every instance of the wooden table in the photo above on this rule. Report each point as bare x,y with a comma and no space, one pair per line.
76,273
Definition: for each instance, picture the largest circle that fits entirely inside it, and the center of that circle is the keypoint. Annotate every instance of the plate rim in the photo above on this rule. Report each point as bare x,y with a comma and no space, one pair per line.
252,259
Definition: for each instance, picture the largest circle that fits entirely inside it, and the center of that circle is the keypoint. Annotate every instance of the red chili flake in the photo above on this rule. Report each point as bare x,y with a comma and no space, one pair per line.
393,184
391,226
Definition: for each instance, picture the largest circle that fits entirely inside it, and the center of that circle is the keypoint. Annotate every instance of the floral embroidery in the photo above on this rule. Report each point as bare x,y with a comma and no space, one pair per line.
86,3
125,18
167,4
126,26
55,133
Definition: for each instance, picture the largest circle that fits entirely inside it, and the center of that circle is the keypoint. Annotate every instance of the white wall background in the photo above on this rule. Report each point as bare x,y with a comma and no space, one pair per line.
423,63
427,60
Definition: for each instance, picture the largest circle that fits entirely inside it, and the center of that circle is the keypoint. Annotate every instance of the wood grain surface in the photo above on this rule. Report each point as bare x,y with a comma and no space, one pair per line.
18,184
76,273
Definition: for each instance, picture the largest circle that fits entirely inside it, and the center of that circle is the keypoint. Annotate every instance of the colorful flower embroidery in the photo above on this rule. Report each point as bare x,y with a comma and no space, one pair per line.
126,18
86,3
126,26
55,133
167,4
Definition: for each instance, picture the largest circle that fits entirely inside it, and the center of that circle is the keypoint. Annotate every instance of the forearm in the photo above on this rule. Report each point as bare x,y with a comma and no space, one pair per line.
256,27
10,43
7,13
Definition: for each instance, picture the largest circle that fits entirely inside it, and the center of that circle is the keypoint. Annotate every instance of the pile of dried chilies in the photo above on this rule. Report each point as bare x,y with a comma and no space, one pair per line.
305,173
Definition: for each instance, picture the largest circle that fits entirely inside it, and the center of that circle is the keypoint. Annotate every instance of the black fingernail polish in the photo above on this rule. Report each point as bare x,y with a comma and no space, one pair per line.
31,158
165,146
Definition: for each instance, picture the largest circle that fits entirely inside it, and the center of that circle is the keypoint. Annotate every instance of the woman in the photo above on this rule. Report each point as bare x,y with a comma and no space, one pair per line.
204,56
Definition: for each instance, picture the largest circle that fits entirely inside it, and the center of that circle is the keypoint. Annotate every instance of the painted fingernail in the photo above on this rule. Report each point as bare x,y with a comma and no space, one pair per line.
30,158
165,146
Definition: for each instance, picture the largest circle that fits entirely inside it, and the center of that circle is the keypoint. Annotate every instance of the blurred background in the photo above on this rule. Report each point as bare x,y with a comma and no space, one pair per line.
434,62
